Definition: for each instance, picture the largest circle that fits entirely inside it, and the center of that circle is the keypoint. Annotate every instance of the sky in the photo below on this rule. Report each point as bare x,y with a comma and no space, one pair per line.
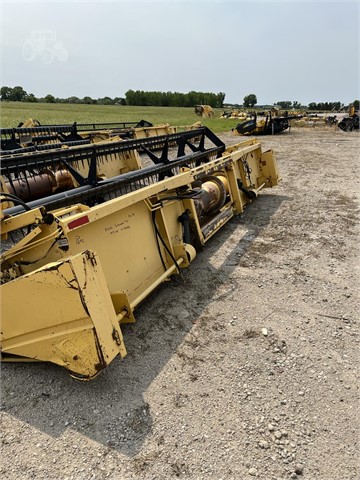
286,50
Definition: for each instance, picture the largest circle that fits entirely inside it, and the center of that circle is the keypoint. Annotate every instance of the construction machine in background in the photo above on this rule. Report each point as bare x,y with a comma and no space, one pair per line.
78,262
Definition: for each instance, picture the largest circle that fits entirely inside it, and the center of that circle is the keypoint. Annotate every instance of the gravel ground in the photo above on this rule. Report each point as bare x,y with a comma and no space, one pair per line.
245,367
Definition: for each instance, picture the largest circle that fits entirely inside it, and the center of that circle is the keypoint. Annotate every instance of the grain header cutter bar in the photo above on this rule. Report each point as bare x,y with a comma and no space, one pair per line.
80,269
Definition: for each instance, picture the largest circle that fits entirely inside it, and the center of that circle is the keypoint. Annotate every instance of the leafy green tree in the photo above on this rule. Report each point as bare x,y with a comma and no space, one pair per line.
73,100
250,100
356,104
174,99
221,99
130,97
49,99
325,106
31,98
5,93
88,101
106,101
119,101
336,106
284,104
17,94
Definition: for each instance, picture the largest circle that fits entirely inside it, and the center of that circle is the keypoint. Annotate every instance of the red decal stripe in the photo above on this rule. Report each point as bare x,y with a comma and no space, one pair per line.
78,222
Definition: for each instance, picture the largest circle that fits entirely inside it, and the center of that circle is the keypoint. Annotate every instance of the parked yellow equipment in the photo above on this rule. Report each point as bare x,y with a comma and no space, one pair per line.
350,123
82,268
237,114
204,111
269,125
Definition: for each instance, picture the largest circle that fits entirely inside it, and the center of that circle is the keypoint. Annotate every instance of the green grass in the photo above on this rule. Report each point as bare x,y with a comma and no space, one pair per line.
12,113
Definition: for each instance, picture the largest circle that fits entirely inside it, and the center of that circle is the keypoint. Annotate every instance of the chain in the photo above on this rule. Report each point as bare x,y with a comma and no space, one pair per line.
247,169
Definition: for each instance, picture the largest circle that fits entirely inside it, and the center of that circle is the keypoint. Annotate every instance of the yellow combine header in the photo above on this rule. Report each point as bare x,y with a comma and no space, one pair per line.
79,262
205,111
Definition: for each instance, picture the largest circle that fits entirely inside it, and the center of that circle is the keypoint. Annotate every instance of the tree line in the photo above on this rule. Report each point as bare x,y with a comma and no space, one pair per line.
137,97
163,99
251,100
321,106
328,106
18,94
174,99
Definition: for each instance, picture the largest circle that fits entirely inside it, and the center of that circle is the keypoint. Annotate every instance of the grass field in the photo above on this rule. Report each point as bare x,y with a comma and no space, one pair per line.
12,113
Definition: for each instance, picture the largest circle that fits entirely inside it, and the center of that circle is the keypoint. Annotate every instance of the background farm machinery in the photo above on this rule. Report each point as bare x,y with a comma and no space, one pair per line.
204,111
350,123
240,114
269,124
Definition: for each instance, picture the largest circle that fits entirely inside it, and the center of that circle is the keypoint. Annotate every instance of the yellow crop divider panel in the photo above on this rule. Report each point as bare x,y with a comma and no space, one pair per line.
73,321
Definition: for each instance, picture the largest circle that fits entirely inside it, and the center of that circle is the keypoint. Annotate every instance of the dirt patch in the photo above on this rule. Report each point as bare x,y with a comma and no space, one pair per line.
245,367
